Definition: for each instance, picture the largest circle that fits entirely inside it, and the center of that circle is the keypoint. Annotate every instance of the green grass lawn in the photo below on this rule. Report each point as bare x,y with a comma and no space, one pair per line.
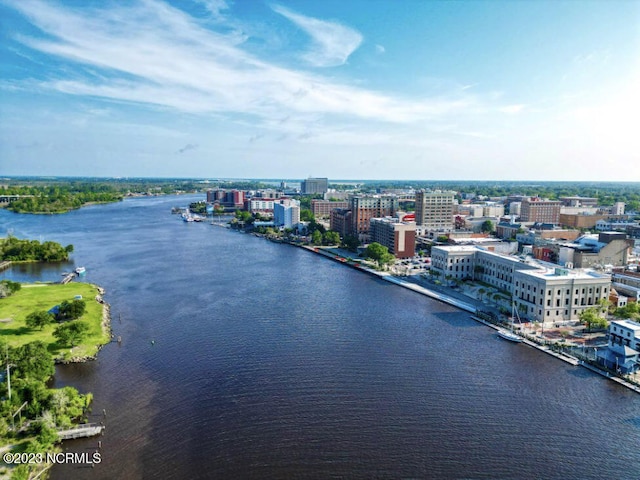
32,297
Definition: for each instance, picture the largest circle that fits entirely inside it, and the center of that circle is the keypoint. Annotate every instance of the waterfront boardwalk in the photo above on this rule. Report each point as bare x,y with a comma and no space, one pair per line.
81,431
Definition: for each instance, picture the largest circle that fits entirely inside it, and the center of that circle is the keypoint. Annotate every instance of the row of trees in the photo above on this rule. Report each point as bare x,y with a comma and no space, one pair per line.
17,250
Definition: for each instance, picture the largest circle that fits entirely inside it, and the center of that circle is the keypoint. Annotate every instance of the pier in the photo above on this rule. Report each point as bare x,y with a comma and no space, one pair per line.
4,265
81,431
67,278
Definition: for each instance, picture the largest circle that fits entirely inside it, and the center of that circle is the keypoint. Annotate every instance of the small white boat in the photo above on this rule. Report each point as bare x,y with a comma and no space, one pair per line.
509,334
512,337
81,270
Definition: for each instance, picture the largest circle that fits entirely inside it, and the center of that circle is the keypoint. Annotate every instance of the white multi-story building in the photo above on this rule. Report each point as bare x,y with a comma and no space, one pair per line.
286,215
559,295
546,295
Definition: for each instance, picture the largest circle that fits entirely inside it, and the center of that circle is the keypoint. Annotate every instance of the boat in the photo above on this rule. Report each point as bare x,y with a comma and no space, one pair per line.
80,270
509,334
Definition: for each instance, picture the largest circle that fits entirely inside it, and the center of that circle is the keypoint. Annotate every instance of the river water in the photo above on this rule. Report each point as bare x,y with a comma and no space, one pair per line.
241,358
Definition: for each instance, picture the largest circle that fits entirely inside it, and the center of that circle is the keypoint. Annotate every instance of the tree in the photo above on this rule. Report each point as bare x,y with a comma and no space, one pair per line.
630,310
71,333
71,310
351,242
487,226
316,237
331,238
379,253
306,215
481,292
591,318
39,319
33,360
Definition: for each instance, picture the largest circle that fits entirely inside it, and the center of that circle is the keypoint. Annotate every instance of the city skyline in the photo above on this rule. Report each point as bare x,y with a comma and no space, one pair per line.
537,91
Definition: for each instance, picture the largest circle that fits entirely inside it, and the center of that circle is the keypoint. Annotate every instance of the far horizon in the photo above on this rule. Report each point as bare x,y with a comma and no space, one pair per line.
530,182
487,90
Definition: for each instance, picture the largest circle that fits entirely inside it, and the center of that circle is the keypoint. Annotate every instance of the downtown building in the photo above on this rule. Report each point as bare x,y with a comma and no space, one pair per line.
434,211
226,198
399,237
365,207
547,295
537,210
312,186
323,208
286,215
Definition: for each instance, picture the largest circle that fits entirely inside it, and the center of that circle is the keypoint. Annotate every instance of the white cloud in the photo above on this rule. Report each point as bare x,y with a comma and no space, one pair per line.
332,42
512,109
175,62
214,7
380,49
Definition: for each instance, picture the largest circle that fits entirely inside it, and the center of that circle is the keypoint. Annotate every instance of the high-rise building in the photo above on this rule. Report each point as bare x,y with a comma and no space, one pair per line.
538,210
312,186
366,207
398,237
287,216
434,210
341,221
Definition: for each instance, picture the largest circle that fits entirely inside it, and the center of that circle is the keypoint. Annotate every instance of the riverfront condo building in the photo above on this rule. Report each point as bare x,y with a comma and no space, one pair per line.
366,207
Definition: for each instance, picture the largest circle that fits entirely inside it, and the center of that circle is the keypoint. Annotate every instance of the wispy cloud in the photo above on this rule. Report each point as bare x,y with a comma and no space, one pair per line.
332,42
213,7
178,63
380,49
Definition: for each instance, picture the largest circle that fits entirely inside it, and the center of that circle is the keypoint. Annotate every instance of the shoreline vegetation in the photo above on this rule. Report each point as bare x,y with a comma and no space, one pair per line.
31,349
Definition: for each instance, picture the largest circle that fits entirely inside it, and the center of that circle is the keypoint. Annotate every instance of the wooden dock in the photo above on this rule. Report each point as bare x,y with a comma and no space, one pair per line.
81,431
4,265
67,278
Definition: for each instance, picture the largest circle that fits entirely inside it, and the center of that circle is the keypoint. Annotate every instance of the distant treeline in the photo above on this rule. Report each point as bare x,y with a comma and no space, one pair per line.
61,194
58,198
16,250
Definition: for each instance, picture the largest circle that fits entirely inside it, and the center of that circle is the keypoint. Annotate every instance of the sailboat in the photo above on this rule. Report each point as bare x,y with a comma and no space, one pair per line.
509,334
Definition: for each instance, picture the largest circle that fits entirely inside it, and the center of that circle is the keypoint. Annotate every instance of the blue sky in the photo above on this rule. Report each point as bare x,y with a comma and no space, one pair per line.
358,89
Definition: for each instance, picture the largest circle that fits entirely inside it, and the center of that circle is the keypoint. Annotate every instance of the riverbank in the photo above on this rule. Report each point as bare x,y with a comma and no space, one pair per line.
14,310
539,344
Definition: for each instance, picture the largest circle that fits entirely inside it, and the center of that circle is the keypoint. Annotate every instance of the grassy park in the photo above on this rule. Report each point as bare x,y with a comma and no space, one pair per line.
31,297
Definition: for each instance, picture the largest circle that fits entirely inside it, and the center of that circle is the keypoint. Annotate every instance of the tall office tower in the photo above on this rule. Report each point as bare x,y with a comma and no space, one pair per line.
434,210
311,186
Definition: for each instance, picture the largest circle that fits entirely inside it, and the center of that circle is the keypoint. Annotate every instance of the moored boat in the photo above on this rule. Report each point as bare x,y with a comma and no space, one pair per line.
512,337
80,270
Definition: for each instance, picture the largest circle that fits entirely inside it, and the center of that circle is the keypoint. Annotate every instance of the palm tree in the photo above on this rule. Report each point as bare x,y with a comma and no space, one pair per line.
481,292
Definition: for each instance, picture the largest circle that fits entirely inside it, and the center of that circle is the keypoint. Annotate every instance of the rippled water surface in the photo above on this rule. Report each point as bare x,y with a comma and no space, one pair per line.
270,362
